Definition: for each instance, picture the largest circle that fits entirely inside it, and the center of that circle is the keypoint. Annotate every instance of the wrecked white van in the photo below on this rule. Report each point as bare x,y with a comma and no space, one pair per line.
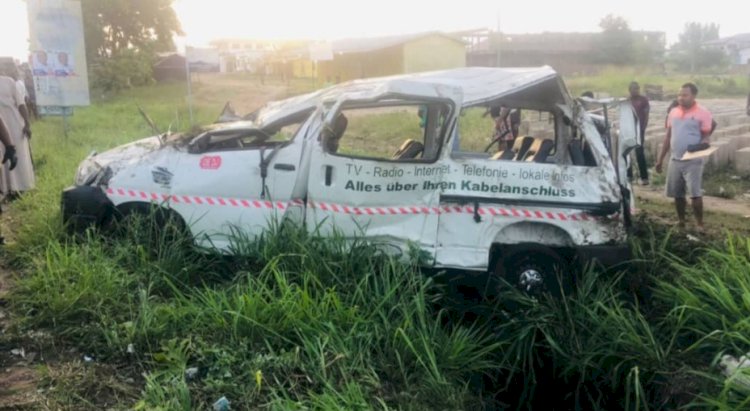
400,160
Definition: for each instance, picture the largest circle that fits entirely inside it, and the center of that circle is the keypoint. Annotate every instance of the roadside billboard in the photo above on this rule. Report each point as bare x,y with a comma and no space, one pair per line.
57,54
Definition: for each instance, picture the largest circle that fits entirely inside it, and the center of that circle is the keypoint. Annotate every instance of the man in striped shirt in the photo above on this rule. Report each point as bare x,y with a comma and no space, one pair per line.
688,124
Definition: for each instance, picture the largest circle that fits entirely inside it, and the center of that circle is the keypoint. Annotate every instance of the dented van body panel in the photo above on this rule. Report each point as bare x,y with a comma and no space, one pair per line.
455,206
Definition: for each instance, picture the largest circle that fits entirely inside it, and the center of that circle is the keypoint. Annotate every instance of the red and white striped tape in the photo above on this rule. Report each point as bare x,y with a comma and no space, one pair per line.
202,200
482,211
344,209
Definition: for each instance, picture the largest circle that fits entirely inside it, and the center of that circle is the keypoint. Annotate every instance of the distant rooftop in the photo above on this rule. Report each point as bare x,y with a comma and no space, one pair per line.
558,42
363,45
737,39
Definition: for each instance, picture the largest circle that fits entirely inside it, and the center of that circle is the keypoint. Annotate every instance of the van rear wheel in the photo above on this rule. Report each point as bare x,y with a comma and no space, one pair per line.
150,225
535,271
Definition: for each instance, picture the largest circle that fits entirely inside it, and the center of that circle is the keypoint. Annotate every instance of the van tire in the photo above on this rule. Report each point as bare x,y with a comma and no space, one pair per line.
161,223
535,270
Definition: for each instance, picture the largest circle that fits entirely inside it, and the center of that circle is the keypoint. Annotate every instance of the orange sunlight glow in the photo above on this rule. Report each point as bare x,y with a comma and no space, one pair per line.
204,20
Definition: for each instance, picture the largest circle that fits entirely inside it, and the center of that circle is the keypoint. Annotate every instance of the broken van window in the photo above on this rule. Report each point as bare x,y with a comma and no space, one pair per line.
245,138
411,132
503,133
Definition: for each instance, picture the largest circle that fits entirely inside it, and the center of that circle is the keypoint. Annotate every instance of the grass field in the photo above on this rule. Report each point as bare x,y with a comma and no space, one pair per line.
298,323
614,82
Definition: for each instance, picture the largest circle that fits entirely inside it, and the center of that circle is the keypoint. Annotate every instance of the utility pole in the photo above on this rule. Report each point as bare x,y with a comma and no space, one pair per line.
499,41
189,86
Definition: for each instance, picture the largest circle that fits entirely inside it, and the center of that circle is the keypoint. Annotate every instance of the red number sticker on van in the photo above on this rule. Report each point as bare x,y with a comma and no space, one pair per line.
210,162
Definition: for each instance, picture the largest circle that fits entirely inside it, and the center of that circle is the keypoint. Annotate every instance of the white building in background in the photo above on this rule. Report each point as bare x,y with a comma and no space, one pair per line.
242,55
737,47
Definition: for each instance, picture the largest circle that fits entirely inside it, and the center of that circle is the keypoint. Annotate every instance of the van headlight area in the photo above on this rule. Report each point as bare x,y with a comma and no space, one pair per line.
91,173
85,204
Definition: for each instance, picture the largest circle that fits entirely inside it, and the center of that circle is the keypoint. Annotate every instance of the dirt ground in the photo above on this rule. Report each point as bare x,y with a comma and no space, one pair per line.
18,378
246,94
722,217
739,208
18,388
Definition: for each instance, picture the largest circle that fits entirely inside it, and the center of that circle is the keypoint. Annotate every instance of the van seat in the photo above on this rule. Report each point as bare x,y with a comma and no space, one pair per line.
410,149
581,154
542,151
575,148
533,148
588,155
521,146
504,155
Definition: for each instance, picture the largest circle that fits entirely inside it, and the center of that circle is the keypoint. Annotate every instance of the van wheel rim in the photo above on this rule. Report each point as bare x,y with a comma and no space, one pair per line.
531,280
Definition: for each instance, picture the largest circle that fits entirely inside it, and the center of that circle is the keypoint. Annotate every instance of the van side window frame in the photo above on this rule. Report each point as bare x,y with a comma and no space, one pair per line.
442,133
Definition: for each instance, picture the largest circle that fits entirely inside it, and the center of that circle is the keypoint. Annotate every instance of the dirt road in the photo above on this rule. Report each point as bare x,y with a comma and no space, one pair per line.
715,204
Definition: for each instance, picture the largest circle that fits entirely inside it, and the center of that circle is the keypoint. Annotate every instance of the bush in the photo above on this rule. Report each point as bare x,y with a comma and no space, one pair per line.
125,70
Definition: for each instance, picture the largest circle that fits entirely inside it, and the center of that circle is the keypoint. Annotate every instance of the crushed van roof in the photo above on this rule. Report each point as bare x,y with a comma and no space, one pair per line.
478,85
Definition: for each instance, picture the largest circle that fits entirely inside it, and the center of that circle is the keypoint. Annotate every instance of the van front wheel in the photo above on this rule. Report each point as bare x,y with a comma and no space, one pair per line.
535,271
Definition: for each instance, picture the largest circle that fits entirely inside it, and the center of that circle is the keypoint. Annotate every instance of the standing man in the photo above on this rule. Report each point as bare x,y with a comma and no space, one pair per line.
688,124
507,124
16,118
642,108
9,156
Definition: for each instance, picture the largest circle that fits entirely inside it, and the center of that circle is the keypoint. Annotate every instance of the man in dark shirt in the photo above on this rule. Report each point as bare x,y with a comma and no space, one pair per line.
507,124
642,108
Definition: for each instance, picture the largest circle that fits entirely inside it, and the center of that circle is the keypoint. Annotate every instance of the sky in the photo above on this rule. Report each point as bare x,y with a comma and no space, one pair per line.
203,20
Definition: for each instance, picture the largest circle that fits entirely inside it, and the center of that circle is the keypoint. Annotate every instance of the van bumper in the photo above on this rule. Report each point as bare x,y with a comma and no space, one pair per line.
608,256
84,206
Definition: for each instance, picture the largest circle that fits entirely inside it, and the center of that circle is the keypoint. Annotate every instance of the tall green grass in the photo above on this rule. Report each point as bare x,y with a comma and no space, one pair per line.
319,321
296,321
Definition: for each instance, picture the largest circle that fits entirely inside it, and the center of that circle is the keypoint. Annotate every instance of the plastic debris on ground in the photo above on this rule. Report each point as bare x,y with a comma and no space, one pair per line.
191,373
222,404
737,372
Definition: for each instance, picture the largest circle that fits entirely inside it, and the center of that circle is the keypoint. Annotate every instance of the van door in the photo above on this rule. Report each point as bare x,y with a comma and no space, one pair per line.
532,196
226,192
628,138
375,169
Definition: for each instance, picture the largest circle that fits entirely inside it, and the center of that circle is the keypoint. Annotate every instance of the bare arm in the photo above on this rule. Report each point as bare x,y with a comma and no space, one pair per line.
10,151
27,124
707,130
4,134
666,145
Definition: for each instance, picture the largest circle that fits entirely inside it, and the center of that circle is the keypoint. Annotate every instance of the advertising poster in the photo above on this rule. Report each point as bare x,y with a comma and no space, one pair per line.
57,54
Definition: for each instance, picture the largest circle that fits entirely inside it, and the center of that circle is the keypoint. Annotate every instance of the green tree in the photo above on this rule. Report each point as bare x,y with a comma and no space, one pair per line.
125,35
691,51
648,48
616,43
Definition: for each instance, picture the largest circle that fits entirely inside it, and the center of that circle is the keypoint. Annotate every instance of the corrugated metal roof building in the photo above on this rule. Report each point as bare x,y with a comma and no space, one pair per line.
170,67
384,56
